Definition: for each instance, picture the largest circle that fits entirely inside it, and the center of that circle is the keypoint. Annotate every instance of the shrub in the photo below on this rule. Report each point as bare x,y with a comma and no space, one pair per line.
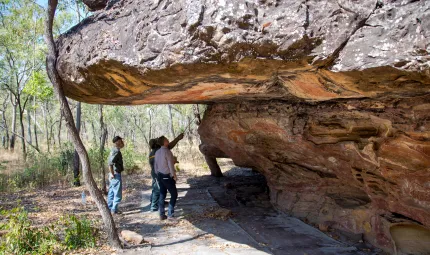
22,238
79,233
39,170
70,232
132,158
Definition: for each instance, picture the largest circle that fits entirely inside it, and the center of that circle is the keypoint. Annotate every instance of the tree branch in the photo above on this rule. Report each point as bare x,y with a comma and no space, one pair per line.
25,140
25,103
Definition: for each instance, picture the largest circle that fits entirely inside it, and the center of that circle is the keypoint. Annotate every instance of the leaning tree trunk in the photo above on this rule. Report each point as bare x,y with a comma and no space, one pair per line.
76,164
77,142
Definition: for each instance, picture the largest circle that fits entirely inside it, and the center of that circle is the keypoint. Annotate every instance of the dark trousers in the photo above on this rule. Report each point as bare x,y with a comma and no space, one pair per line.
167,183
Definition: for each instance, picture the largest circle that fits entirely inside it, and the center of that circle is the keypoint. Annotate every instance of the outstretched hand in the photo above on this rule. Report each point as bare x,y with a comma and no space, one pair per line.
181,136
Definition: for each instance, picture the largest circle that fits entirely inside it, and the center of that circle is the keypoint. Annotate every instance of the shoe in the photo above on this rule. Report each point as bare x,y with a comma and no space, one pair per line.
172,219
154,210
117,212
163,217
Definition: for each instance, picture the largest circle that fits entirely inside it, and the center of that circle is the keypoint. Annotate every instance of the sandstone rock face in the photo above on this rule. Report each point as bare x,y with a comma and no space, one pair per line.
355,165
330,100
184,51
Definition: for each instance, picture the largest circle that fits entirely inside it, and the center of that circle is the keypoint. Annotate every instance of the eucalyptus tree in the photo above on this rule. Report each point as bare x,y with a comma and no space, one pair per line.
77,142
20,22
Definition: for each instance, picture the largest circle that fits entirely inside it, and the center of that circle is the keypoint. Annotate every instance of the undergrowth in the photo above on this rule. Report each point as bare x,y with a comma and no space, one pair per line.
20,237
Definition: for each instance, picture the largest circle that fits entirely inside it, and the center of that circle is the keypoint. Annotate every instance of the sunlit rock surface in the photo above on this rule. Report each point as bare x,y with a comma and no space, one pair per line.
330,100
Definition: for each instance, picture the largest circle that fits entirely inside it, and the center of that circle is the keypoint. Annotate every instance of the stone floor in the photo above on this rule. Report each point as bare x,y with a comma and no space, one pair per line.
247,226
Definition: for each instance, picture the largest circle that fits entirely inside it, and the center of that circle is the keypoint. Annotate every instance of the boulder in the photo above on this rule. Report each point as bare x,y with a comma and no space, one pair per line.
132,237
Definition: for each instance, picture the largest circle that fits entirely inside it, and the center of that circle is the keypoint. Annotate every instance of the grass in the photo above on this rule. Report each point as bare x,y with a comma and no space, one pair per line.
42,169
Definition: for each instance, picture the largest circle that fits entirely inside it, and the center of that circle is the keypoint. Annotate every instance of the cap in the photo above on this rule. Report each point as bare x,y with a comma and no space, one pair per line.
116,139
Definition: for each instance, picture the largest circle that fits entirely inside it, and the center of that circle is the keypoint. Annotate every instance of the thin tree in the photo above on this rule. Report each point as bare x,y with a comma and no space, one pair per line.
76,162
172,130
5,138
103,136
76,140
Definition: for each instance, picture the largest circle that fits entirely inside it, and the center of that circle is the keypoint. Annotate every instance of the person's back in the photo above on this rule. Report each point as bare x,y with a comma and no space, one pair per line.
153,144
152,160
163,161
166,177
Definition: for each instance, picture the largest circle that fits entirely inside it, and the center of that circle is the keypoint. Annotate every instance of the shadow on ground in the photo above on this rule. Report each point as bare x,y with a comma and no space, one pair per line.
228,215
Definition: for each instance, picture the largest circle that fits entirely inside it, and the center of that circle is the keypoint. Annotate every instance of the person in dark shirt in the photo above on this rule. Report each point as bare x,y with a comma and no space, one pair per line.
116,166
155,195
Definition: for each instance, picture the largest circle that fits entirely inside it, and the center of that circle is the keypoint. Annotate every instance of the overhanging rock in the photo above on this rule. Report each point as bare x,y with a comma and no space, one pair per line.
328,99
137,52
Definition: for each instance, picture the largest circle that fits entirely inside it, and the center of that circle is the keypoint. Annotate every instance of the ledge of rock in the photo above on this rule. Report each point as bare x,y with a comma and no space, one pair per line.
184,51
330,100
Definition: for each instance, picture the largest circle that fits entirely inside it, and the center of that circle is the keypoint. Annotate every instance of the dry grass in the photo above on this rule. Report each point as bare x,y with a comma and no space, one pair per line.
10,161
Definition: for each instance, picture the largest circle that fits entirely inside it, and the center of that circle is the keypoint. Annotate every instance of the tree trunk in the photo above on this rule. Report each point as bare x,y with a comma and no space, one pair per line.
30,140
59,131
35,123
45,117
5,138
172,131
76,164
103,136
51,132
21,123
80,148
94,133
13,136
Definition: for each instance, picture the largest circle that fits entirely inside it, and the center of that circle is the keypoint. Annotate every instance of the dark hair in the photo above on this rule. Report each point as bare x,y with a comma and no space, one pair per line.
153,143
116,139
160,140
